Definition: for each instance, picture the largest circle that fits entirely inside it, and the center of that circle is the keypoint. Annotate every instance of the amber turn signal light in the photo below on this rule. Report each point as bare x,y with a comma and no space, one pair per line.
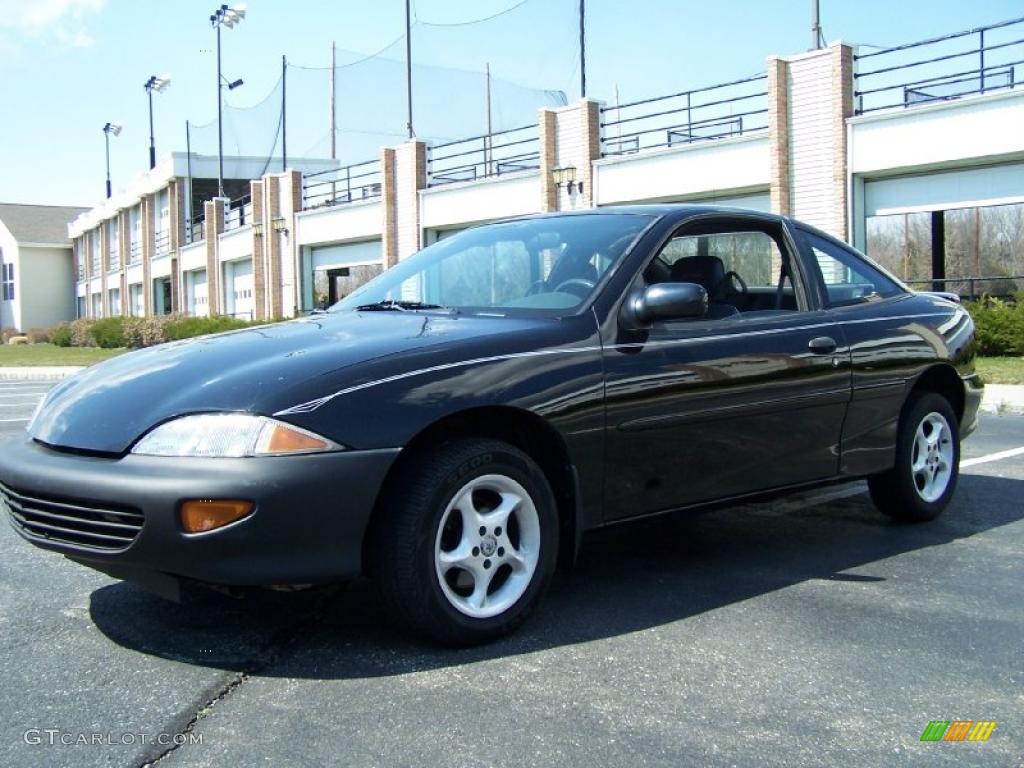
199,515
284,439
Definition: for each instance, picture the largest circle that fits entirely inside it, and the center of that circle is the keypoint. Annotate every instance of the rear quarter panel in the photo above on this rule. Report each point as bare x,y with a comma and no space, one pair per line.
892,344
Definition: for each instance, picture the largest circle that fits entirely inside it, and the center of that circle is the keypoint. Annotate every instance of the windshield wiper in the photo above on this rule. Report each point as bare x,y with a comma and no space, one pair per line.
395,305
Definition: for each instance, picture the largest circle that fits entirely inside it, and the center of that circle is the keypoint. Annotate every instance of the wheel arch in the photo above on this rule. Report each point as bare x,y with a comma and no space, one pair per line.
523,429
943,380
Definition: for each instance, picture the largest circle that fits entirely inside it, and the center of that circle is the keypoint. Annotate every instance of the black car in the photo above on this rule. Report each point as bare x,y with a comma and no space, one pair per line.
454,426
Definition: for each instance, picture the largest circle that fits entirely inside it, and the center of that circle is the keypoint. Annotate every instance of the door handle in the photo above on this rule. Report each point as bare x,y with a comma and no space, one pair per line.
822,345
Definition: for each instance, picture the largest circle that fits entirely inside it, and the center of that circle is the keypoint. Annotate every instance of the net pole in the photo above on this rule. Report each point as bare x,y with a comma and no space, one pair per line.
583,50
284,114
487,139
188,171
334,122
408,67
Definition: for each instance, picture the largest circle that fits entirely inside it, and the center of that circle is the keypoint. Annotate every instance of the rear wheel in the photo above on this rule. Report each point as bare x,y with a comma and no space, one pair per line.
466,542
927,467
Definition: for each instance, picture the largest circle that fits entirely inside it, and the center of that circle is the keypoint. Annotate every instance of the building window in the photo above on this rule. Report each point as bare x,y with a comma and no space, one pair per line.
7,281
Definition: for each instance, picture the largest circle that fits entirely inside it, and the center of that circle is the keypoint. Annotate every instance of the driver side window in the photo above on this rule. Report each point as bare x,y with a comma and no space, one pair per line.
743,271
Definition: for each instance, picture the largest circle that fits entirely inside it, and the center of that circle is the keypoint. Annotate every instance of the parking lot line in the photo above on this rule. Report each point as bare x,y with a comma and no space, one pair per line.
998,456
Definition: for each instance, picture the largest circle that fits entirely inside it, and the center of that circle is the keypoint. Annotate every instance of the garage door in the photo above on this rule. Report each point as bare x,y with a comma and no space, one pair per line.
991,185
347,254
198,299
241,283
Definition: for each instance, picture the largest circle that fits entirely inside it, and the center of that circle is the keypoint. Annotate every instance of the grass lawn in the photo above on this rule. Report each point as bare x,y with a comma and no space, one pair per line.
1001,370
48,354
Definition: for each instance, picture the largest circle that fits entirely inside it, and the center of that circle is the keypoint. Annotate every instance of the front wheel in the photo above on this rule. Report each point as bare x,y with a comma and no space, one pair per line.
924,477
466,542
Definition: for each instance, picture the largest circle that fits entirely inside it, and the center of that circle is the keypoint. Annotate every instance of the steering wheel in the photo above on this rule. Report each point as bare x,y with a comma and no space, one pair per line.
536,287
732,280
579,286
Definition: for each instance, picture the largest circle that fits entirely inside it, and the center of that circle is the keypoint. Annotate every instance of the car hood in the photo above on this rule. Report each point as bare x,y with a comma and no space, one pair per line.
108,406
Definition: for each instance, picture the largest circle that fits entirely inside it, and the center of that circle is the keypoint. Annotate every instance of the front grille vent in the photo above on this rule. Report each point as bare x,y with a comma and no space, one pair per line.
80,523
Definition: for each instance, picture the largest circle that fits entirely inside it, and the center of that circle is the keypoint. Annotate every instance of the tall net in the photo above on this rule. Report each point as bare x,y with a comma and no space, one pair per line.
454,96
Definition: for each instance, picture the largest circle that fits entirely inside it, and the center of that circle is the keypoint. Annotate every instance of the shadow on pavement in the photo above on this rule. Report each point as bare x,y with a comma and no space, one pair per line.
628,578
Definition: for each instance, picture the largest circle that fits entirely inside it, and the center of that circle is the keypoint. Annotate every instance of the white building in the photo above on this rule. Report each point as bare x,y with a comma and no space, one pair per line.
37,284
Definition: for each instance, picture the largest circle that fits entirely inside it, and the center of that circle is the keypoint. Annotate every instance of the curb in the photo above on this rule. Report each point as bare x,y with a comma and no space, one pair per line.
38,372
1003,398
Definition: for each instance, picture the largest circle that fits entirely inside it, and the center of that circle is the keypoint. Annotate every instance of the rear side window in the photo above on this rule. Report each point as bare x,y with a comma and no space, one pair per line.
847,277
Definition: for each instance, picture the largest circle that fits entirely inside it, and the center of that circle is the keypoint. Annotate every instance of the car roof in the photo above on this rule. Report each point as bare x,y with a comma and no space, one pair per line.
680,210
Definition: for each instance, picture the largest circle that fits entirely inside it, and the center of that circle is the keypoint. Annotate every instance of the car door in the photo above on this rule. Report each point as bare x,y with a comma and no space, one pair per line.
749,397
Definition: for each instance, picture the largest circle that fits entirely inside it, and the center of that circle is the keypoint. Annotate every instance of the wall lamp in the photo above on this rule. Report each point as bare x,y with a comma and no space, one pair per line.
566,176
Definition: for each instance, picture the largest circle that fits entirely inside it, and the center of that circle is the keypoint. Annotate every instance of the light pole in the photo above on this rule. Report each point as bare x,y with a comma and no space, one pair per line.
110,128
158,84
225,16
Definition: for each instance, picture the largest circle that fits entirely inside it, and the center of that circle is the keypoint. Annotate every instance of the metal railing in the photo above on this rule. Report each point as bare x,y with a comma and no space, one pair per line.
971,288
161,244
338,186
239,213
196,230
945,68
134,252
480,157
702,114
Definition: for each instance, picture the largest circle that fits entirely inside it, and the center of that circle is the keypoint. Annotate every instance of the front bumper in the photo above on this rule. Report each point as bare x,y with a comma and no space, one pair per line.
311,512
974,389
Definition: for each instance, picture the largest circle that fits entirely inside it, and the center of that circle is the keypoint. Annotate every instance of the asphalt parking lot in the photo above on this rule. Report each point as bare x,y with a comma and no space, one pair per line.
808,631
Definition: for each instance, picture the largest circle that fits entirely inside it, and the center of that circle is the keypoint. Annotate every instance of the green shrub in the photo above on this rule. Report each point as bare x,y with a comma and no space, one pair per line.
999,325
60,335
38,336
7,333
187,327
80,336
108,332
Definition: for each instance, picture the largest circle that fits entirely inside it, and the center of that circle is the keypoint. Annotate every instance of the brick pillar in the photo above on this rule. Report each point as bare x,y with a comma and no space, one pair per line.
76,259
272,245
291,270
778,133
147,228
88,272
810,98
842,110
122,253
104,268
389,240
410,177
213,215
548,129
577,136
259,267
590,130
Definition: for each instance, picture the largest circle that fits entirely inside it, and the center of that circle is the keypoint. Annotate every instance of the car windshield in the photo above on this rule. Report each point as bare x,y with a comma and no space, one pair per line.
548,266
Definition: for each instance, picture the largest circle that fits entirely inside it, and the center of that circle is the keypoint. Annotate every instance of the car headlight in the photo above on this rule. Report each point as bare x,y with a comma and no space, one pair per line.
230,435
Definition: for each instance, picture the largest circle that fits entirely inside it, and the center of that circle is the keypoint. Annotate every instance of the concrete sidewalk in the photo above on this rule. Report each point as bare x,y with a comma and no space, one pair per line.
999,398
1003,398
38,372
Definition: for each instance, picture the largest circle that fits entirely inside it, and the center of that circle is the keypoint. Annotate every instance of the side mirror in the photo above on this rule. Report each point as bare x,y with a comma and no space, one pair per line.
668,301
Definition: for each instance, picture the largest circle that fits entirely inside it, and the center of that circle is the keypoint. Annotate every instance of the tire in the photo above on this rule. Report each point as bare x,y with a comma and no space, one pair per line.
465,543
921,483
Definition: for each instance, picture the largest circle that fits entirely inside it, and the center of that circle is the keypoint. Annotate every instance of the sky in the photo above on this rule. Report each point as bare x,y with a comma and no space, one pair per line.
69,66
